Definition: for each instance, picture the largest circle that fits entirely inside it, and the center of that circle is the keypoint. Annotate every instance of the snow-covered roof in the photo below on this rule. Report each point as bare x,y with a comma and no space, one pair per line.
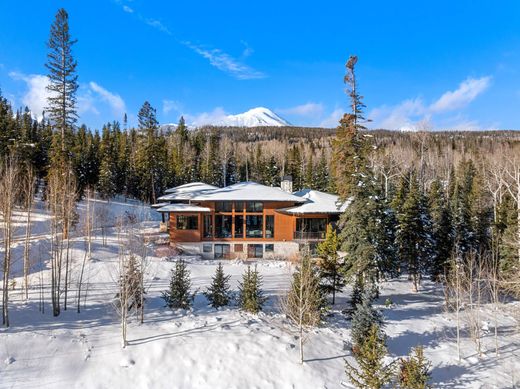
186,191
247,191
183,208
159,205
316,202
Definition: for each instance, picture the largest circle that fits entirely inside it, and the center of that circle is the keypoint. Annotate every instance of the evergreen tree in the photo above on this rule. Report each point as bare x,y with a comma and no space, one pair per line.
441,230
250,295
178,295
367,237
63,83
218,292
414,371
364,318
332,279
350,147
372,372
414,233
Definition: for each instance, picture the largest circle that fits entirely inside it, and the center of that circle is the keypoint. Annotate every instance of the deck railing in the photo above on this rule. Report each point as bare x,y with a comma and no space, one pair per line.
305,235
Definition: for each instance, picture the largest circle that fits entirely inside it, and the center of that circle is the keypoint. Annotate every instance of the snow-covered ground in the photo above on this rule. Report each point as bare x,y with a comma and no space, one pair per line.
205,348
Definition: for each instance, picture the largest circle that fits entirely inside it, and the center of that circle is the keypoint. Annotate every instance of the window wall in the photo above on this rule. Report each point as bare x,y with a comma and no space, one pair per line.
187,222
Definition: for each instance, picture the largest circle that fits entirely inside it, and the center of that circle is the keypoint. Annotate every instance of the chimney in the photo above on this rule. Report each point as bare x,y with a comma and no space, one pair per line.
286,184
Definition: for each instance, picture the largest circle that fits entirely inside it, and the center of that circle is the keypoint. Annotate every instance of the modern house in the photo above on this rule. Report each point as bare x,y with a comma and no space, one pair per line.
246,220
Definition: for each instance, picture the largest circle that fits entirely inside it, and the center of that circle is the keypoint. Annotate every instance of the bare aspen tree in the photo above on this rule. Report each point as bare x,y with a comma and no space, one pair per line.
28,192
88,227
61,197
9,188
302,304
512,183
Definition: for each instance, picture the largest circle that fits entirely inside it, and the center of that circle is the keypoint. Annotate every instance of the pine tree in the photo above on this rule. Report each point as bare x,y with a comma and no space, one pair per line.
372,372
250,295
350,147
63,83
332,279
364,318
414,371
367,229
178,295
414,233
441,230
218,292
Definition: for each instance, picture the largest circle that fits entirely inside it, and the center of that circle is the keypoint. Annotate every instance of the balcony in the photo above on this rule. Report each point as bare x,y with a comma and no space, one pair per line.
305,235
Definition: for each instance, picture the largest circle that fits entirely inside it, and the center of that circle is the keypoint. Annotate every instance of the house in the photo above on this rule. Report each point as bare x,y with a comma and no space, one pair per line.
247,219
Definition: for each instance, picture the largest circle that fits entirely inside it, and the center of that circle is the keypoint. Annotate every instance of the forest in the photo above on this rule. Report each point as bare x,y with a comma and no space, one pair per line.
435,207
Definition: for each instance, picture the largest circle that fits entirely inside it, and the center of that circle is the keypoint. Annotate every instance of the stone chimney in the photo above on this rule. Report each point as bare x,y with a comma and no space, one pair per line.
286,184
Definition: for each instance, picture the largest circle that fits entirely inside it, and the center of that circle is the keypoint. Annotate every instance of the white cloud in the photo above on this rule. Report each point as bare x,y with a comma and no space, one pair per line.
157,24
332,120
226,63
115,101
216,115
308,110
36,94
411,113
404,114
126,8
171,105
467,91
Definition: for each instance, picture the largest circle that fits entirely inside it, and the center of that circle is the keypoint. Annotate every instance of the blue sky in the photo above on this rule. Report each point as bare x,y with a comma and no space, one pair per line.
439,64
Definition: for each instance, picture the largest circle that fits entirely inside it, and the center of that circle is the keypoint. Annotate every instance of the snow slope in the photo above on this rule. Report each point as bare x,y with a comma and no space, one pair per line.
205,348
253,118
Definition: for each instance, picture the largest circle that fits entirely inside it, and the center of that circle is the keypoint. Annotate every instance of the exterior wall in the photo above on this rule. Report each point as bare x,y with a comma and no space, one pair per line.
282,250
285,244
184,235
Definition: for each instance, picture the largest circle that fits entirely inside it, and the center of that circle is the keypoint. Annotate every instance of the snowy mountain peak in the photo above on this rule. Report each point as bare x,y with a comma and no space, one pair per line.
255,117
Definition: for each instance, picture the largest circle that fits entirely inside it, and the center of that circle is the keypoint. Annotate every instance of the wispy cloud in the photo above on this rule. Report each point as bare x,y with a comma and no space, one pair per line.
467,91
115,101
128,9
171,105
410,112
309,109
332,120
215,116
157,24
226,62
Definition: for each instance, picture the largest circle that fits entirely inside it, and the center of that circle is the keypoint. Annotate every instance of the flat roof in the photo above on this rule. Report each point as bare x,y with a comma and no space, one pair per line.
315,202
183,208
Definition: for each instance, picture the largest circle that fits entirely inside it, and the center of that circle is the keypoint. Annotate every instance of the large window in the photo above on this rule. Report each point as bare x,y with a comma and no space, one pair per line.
255,251
239,226
221,251
269,226
254,224
239,206
208,226
187,222
223,206
254,206
223,225
311,228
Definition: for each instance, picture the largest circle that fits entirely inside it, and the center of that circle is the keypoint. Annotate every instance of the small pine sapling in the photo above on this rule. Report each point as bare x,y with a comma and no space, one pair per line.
250,295
414,371
332,279
178,295
371,371
218,292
